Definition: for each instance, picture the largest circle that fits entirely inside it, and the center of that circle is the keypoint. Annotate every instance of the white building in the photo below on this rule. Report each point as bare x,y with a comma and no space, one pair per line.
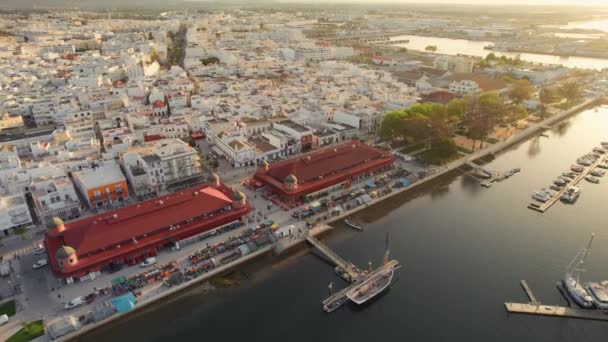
464,87
455,64
55,197
314,52
14,213
169,163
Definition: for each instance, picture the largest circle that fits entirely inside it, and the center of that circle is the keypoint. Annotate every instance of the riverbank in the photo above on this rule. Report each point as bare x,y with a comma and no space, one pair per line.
456,164
289,243
558,54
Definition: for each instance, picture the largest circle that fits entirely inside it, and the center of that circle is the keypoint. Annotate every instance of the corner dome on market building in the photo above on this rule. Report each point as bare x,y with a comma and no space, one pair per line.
65,252
290,179
54,223
238,196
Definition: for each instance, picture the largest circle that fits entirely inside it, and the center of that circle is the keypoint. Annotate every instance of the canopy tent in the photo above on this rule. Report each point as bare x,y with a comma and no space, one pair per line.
404,182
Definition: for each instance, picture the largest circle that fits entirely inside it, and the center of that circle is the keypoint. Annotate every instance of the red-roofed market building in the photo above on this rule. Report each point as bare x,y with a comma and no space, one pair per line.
131,234
335,167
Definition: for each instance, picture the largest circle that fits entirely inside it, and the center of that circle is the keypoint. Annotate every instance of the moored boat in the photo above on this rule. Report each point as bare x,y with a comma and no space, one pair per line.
592,179
598,173
599,294
543,195
577,168
571,194
350,224
572,282
584,161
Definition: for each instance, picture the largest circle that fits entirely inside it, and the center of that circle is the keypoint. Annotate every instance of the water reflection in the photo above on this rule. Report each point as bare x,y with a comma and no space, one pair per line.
534,147
470,184
451,46
562,128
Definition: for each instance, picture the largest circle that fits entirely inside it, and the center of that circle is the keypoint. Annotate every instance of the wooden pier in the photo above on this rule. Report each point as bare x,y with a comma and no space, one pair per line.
529,292
545,206
535,308
555,311
352,270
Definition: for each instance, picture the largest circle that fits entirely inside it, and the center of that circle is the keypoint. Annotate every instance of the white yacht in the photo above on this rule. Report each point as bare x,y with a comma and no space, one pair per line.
543,195
571,194
572,282
599,293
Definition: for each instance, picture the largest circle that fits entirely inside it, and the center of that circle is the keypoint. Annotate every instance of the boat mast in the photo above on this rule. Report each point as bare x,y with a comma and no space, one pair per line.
579,259
386,253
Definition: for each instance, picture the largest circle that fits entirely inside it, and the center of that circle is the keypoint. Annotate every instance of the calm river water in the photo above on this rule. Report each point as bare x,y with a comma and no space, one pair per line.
450,46
464,249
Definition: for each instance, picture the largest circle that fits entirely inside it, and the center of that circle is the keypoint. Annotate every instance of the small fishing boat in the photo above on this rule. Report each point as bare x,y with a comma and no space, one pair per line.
350,224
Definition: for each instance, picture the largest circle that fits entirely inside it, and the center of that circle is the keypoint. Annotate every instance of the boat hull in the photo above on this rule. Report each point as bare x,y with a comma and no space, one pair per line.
371,287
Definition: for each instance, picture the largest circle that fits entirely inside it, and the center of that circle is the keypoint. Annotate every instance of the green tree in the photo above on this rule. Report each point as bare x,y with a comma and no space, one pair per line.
456,109
491,57
518,113
391,126
483,112
545,99
417,128
571,91
520,90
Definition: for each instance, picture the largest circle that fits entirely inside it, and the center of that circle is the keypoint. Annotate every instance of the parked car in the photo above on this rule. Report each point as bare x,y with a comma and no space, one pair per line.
39,264
39,251
3,319
148,262
76,302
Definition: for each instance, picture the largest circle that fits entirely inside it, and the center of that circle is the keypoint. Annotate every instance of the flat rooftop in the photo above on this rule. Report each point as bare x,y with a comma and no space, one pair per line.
295,126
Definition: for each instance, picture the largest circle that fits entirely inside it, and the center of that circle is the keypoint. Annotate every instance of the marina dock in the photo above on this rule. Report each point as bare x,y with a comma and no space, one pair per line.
356,277
339,298
555,311
551,201
529,292
352,271
535,308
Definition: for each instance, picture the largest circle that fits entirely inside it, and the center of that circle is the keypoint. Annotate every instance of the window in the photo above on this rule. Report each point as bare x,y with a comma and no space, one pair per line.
118,189
97,193
43,202
107,190
67,197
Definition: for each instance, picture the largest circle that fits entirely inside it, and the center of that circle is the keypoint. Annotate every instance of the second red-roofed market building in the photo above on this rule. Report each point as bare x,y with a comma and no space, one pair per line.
335,167
133,233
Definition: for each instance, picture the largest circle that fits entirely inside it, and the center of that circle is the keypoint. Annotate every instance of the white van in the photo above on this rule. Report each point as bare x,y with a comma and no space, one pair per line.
76,302
3,319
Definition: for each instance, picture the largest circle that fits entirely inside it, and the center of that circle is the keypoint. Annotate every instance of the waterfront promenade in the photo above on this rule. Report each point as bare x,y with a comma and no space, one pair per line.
297,238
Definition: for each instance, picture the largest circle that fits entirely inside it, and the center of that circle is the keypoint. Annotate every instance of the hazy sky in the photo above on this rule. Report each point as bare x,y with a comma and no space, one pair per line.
481,2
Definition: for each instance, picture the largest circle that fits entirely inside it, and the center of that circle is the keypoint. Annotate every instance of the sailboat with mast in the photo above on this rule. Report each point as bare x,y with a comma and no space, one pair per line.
572,282
374,285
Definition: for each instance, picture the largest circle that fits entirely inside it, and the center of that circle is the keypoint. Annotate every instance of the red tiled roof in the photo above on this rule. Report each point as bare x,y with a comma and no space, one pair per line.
158,104
324,162
90,234
152,137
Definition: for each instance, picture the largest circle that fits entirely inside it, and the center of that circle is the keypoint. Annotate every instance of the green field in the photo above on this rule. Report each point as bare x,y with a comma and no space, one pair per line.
29,332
